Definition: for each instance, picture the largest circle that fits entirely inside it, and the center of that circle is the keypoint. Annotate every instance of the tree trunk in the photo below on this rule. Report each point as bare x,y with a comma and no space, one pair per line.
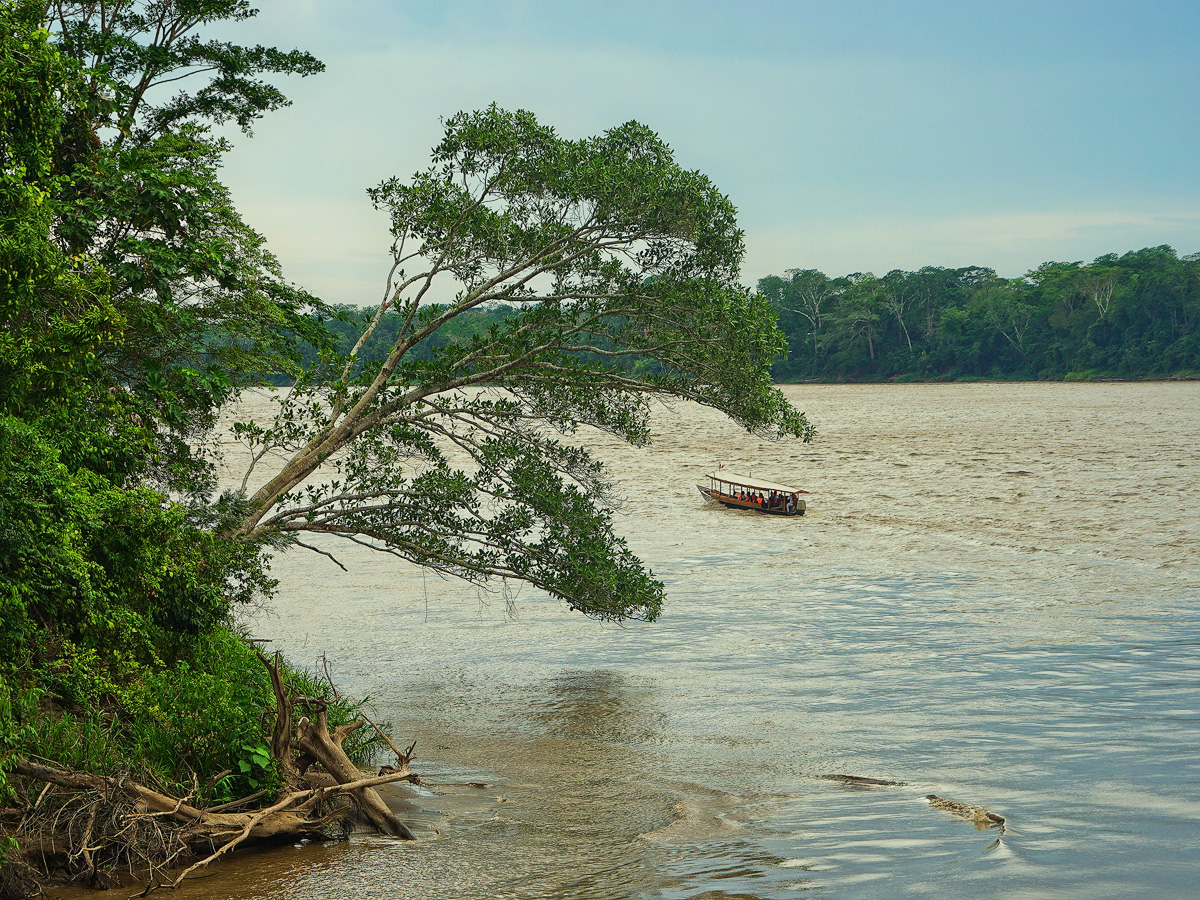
314,739
315,744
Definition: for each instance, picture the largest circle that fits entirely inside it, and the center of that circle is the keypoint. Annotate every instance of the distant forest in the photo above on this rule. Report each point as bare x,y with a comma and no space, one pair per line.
349,322
1131,316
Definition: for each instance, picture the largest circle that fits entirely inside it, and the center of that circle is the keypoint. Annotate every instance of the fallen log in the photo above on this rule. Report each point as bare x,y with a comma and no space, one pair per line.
204,833
314,739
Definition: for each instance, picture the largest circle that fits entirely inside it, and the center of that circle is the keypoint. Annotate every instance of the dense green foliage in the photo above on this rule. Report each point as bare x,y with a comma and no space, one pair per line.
133,301
134,297
1130,316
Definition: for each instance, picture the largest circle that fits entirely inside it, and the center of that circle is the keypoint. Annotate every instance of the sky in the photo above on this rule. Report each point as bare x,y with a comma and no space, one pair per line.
852,135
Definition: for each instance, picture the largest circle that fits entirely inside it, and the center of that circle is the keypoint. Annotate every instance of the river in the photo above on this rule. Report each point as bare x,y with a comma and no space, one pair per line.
994,598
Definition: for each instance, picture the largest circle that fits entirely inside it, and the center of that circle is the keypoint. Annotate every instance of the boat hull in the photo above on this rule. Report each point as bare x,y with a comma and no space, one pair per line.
735,503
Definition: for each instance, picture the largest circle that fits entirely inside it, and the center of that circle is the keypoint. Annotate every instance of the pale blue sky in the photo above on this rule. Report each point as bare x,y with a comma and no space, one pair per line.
852,136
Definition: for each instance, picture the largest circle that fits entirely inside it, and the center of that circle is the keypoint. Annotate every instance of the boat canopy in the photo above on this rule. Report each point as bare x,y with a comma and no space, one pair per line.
754,484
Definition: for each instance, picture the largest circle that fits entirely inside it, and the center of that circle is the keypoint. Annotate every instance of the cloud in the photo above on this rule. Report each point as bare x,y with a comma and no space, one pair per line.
846,143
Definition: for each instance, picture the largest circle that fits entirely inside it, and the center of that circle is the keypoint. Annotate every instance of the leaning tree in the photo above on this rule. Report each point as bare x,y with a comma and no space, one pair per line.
619,273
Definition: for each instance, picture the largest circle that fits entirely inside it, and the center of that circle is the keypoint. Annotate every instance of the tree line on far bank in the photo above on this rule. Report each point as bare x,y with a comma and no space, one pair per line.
1135,315
1131,316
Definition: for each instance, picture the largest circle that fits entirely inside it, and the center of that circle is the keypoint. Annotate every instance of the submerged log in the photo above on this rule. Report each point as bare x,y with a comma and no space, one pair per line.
862,780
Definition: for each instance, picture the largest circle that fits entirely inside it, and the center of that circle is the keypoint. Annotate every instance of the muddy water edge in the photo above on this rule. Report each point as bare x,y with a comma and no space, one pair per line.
993,599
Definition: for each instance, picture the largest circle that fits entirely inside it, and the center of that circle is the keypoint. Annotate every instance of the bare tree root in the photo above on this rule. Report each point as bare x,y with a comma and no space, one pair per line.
313,739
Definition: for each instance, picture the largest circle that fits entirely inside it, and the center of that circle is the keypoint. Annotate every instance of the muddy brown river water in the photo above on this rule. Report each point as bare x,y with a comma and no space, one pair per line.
994,597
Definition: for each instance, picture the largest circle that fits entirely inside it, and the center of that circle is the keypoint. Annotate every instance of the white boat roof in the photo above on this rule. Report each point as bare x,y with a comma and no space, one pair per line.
755,484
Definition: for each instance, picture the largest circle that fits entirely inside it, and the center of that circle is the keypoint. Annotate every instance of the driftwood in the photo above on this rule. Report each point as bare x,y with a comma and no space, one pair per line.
196,829
201,827
313,739
315,744
99,822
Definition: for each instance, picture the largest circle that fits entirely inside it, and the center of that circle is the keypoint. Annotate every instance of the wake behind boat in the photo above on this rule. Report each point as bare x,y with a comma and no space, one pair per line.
744,492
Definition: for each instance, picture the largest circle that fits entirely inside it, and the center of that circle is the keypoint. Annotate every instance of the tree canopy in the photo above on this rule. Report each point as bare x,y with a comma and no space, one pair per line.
135,297
618,272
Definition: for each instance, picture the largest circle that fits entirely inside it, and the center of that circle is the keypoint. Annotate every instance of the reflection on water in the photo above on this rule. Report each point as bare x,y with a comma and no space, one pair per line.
993,599
598,708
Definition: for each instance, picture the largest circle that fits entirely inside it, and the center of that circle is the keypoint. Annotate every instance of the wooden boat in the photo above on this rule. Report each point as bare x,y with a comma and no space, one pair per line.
744,492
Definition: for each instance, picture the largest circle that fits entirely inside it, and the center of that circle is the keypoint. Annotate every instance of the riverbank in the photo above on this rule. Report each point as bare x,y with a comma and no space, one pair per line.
143,772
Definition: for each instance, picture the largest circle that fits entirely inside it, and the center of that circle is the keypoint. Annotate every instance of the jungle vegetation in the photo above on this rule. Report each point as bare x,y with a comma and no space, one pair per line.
1135,315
